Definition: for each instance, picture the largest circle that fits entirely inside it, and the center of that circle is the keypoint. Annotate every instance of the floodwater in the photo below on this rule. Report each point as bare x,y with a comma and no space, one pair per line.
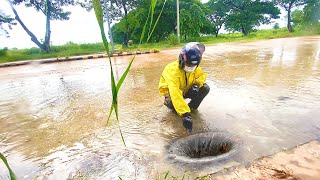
53,116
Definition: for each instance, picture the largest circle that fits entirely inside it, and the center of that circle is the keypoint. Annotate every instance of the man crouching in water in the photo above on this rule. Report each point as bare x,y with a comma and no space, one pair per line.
184,79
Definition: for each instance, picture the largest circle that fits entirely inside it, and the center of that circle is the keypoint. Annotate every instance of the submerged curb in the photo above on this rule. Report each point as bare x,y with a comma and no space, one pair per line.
75,58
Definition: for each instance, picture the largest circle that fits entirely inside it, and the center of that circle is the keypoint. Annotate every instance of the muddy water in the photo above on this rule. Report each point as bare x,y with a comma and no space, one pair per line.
53,116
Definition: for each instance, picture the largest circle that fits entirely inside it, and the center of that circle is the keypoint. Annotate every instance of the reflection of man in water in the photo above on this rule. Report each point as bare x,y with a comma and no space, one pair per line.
184,79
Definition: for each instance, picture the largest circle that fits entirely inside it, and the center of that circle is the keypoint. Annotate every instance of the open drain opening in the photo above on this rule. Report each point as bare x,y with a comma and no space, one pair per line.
207,149
204,147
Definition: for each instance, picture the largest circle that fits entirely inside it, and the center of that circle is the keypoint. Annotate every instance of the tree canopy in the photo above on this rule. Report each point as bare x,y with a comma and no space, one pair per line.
216,12
288,5
52,9
6,23
309,17
192,20
245,15
196,18
312,12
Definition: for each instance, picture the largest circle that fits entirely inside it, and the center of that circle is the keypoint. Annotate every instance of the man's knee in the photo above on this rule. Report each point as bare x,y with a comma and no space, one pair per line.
204,89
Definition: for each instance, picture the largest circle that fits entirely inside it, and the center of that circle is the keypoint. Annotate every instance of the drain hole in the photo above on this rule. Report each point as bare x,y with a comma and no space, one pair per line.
204,147
196,150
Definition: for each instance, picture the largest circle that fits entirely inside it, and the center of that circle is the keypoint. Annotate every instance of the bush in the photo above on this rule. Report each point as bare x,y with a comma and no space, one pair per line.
276,26
3,51
173,39
31,51
130,42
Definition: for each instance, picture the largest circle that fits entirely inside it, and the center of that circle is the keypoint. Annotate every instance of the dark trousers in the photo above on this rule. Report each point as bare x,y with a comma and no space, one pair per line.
196,99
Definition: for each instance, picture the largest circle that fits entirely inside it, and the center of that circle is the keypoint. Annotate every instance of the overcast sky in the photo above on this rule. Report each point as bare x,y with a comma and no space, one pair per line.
81,28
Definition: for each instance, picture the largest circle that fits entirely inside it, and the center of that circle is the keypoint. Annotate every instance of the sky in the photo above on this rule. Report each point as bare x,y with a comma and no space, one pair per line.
82,27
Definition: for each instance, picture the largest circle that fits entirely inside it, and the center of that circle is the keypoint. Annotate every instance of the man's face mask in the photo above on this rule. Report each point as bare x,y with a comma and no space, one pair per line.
189,69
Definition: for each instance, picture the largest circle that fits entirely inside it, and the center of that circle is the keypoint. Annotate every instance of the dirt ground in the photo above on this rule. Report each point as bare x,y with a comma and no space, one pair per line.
301,162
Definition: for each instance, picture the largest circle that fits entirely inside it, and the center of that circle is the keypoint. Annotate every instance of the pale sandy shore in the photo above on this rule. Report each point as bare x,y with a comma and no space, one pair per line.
301,162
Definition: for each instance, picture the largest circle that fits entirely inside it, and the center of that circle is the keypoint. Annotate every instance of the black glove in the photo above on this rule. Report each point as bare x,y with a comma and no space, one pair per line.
187,121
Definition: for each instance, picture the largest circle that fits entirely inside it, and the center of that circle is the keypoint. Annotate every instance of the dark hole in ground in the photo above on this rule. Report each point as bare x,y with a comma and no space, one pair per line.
204,147
205,150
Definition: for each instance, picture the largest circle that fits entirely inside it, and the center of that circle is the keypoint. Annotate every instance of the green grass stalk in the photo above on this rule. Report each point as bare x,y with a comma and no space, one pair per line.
11,174
116,86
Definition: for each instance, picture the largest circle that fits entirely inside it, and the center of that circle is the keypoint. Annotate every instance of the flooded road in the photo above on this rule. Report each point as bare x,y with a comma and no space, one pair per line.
53,116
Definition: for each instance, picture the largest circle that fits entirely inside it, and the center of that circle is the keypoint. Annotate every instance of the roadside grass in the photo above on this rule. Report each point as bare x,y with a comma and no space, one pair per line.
73,49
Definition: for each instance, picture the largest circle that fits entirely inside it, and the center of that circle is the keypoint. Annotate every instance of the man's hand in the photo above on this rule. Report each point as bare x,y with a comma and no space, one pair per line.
187,121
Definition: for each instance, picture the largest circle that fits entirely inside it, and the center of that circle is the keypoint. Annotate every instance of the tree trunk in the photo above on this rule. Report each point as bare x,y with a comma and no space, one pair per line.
108,22
289,26
217,30
33,37
243,30
48,29
126,35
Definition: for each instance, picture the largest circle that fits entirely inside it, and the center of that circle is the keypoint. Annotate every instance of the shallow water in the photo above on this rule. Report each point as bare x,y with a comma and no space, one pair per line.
53,116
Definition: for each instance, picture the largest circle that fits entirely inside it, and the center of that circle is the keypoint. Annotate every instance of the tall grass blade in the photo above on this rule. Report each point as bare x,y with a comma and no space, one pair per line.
116,86
153,4
115,100
12,175
183,177
156,21
166,175
110,112
144,27
122,138
99,15
124,74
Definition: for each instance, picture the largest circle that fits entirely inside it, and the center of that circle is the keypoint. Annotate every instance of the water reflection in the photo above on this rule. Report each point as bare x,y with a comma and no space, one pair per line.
53,115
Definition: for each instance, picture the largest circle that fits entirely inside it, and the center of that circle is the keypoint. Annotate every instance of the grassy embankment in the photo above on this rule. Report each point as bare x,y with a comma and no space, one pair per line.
72,49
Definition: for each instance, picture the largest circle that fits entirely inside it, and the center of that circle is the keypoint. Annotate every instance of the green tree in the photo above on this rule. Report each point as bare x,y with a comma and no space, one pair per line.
138,16
192,18
288,5
216,13
128,27
245,15
297,17
52,9
208,28
312,12
5,20
120,9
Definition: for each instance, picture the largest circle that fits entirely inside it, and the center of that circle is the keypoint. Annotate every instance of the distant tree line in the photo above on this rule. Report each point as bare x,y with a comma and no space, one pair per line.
196,18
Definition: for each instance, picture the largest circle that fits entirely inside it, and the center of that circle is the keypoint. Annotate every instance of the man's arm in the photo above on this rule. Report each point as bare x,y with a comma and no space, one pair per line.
176,94
200,77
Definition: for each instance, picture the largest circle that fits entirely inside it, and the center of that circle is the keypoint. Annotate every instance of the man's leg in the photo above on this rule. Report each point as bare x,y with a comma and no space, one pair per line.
168,102
197,99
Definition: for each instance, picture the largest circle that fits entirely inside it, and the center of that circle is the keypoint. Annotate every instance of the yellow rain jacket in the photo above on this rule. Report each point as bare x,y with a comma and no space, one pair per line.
176,82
